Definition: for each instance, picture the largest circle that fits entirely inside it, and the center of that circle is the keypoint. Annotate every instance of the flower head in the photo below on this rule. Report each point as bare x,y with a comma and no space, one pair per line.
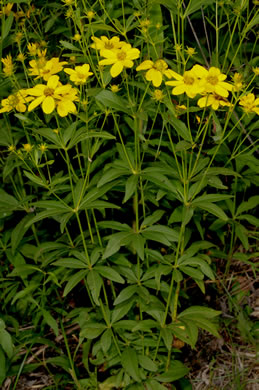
51,67
189,83
213,100
155,71
238,82
6,10
158,95
8,65
27,147
15,102
120,58
43,147
32,48
104,43
90,15
190,51
53,95
256,71
250,103
213,80
115,88
77,37
80,74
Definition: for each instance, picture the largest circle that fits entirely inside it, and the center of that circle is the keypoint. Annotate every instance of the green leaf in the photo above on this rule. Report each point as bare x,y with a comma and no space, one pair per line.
195,5
161,233
242,234
110,100
121,310
19,231
92,330
147,363
116,241
7,24
68,45
42,215
129,361
6,343
208,326
70,262
176,371
35,179
50,320
2,366
94,282
109,273
198,312
138,243
212,209
125,294
167,337
252,203
26,291
73,281
106,340
151,219
130,187
211,198
178,125
7,202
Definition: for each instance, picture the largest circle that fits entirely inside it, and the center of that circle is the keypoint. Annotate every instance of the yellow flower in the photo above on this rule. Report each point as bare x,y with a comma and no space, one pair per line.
77,37
21,57
156,70
32,48
104,43
11,148
213,80
256,71
213,100
188,83
178,47
190,51
250,103
6,10
16,101
51,67
119,59
145,23
80,74
8,65
18,37
43,147
65,105
68,2
27,147
53,95
90,15
158,95
115,88
238,82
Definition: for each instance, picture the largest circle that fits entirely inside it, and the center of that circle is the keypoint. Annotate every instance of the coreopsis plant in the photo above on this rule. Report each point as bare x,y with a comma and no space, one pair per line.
155,71
119,58
80,74
118,200
53,95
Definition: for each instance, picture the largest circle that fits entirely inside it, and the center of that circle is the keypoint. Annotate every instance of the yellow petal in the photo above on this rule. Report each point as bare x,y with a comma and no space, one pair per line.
35,103
48,105
116,69
53,81
145,65
155,76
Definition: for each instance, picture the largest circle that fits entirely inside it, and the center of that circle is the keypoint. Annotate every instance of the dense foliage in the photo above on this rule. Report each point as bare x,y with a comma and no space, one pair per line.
128,167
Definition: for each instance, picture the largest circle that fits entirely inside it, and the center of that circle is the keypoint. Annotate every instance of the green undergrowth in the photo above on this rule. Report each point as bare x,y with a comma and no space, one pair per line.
128,133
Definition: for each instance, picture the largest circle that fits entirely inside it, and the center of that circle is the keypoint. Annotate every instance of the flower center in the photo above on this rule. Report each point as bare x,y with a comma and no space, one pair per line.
213,80
108,46
121,56
13,100
48,91
188,79
80,76
160,65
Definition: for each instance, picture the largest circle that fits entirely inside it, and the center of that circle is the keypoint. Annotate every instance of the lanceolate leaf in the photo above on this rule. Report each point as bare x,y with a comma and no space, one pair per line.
212,209
94,282
129,360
